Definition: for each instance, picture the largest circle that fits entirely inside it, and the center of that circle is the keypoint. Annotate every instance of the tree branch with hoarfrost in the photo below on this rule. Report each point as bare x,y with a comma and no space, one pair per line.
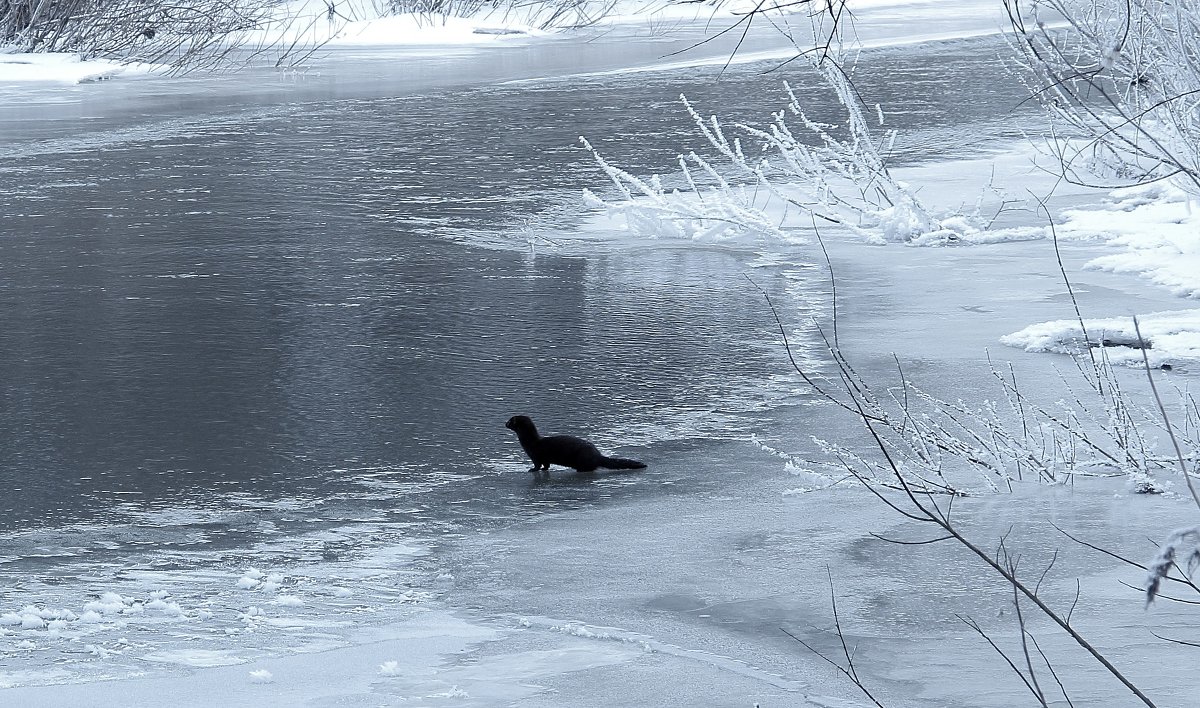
774,180
707,209
1122,77
184,36
963,448
1091,428
892,481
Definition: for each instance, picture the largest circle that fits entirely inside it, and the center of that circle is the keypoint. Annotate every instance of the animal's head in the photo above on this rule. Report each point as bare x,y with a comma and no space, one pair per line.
519,422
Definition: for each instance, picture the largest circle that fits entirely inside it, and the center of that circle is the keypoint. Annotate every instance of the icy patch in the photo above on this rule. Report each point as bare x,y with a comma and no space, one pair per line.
648,644
200,658
208,608
342,670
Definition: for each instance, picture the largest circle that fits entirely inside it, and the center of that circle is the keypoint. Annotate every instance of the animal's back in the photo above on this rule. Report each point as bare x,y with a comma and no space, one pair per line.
570,451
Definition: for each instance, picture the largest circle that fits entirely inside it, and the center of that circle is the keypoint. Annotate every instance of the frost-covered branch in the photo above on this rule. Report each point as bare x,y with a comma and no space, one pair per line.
916,502
1122,77
185,35
1092,429
709,208
773,180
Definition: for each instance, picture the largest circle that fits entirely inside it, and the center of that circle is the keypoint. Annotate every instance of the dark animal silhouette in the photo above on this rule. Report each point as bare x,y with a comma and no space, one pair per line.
564,450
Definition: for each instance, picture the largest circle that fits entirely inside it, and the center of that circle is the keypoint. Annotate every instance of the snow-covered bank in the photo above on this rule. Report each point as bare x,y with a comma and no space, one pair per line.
306,25
63,68
359,23
1167,338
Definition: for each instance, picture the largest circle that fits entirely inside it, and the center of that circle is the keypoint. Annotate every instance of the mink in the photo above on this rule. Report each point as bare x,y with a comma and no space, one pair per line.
563,450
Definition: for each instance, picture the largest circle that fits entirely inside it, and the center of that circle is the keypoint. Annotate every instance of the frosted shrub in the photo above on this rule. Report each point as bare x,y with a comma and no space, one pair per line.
701,213
958,447
543,14
184,35
797,171
1123,80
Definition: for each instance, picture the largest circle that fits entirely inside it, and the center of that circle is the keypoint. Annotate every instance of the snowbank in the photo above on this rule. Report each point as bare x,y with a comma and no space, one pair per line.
1168,337
1157,231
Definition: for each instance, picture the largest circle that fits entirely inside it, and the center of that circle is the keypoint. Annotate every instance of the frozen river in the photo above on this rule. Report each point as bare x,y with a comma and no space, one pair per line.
261,333
286,293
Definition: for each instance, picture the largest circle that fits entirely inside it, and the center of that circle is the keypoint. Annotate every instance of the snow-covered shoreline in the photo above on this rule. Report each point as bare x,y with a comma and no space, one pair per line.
353,24
20,67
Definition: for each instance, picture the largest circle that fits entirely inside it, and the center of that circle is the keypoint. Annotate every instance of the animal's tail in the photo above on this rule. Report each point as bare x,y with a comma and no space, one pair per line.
620,463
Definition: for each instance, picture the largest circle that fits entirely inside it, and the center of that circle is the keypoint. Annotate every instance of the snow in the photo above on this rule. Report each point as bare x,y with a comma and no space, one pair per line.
1170,338
62,68
1153,231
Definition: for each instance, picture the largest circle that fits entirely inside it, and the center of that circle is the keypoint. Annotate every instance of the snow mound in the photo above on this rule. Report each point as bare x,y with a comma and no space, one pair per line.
1155,227
1153,231
1168,338
62,68
261,676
